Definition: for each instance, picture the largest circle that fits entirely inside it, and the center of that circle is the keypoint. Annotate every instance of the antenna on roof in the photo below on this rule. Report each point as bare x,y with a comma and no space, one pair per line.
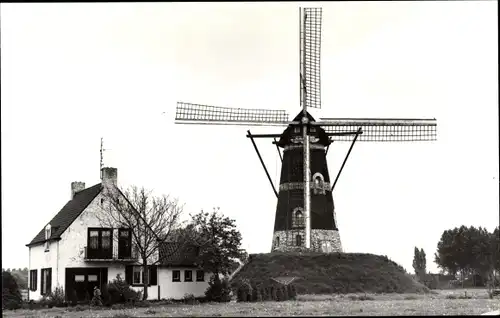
101,164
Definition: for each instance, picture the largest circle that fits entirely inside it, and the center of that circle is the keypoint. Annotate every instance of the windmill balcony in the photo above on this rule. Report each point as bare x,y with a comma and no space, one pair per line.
115,254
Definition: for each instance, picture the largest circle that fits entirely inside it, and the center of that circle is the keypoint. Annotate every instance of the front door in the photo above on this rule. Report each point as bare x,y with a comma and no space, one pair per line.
80,282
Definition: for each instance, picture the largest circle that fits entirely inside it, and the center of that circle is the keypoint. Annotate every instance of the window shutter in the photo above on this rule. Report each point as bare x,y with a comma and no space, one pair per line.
36,279
153,275
42,283
49,281
128,274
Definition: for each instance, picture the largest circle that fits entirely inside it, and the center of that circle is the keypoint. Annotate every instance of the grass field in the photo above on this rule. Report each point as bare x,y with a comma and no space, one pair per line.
449,302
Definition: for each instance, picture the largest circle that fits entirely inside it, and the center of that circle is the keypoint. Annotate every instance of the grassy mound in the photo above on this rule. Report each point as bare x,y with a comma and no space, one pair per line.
320,273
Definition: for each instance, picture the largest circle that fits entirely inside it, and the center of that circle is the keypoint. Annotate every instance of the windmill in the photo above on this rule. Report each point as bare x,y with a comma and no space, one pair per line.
305,209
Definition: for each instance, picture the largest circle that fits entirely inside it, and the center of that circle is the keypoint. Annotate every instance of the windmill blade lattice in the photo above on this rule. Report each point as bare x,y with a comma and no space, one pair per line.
382,129
187,113
310,53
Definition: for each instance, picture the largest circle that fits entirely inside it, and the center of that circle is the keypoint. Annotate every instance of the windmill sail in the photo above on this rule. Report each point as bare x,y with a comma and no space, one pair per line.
310,53
187,113
382,129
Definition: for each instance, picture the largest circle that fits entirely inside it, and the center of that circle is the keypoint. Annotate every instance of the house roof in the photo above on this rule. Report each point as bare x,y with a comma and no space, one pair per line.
68,214
173,254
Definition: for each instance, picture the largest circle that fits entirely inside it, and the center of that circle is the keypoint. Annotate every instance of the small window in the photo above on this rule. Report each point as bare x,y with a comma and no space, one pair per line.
298,240
200,276
277,241
102,202
92,278
297,218
188,276
137,275
176,276
47,237
296,129
79,278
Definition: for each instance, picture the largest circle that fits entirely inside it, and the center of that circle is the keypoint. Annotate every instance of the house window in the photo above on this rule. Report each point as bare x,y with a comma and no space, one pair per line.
176,276
106,239
137,275
46,281
94,239
100,243
92,278
298,240
124,243
296,129
47,237
200,276
297,218
79,278
33,279
188,276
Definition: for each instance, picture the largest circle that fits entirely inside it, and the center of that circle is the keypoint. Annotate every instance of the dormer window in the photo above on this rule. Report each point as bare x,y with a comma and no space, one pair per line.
47,237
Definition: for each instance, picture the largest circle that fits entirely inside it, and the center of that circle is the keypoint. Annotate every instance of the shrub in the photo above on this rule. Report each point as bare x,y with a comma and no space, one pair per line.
190,299
245,291
292,292
285,293
265,293
273,294
11,297
73,297
105,296
254,294
57,297
258,296
218,290
279,294
120,292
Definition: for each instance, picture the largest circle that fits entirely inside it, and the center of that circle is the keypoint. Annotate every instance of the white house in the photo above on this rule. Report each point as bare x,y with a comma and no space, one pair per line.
75,252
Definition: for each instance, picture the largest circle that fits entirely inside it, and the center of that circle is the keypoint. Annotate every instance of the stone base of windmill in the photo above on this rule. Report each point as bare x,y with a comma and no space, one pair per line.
326,241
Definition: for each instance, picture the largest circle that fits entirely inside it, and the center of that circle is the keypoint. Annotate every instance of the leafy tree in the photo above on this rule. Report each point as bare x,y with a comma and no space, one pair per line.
219,241
445,255
11,297
152,219
467,250
419,263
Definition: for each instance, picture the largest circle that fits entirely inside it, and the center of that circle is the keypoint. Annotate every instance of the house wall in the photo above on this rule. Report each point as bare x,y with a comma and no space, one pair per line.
177,290
69,250
39,259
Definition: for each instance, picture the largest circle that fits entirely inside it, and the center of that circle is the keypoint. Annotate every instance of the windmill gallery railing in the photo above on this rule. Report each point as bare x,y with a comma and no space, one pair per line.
114,254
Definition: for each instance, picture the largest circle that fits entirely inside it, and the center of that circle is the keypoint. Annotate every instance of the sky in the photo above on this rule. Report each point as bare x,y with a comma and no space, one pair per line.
73,73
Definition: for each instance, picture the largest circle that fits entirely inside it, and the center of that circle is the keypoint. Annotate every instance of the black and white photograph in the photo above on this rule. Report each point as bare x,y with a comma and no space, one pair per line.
331,158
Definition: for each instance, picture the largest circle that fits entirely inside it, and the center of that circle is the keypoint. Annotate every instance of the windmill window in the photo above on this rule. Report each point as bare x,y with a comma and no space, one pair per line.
277,241
298,240
318,183
298,218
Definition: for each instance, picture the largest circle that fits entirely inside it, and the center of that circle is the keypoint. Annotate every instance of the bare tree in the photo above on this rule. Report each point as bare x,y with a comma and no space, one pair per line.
152,220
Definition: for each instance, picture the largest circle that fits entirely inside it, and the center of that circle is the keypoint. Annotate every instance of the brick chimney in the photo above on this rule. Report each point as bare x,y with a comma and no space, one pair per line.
76,186
109,176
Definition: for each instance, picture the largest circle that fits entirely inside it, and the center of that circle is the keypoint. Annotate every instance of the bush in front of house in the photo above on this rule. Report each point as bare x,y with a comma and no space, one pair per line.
120,292
11,296
218,290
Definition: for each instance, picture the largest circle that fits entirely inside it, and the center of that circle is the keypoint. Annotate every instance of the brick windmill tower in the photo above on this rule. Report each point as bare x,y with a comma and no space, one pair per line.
305,215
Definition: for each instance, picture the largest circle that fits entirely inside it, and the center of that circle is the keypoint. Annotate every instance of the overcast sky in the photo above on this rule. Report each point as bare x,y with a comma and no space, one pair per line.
73,73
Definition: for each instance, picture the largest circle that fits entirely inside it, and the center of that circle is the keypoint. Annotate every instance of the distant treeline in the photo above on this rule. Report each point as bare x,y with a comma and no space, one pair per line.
20,276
